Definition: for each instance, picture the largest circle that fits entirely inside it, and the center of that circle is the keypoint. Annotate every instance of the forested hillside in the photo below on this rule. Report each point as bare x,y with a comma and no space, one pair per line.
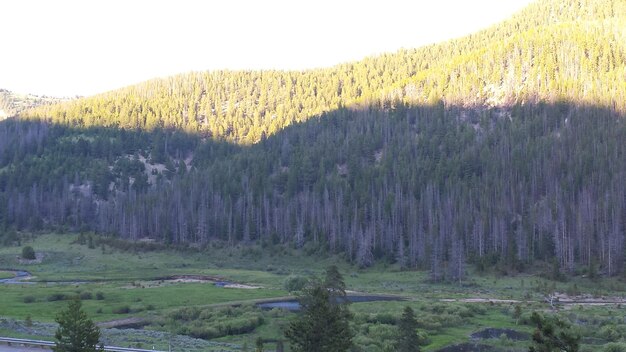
11,104
502,147
552,50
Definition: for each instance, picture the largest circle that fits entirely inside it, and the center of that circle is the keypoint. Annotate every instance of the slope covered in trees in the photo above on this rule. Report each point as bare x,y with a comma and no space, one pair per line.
421,185
502,147
11,103
547,51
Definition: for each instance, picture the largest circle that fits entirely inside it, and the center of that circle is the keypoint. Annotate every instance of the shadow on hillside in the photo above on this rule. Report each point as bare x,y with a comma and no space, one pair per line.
430,186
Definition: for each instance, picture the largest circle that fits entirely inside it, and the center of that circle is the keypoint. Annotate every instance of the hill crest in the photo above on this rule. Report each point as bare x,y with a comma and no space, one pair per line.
493,67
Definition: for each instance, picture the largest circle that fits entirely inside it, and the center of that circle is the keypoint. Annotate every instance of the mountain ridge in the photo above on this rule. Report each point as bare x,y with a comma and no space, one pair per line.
244,106
12,104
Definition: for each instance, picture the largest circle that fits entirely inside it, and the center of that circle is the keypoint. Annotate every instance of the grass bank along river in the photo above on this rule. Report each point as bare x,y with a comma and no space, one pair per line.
224,285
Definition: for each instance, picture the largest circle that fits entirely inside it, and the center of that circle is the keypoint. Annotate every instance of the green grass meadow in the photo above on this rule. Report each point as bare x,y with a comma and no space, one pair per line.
118,284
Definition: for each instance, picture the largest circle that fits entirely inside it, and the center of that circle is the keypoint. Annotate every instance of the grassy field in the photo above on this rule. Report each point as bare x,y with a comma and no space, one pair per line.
123,279
5,274
119,284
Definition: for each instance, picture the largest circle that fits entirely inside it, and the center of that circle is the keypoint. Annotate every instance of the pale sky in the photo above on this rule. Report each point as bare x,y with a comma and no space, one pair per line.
78,47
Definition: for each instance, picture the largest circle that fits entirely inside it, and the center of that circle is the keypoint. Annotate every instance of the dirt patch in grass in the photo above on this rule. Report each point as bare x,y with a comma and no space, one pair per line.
128,323
494,333
480,300
38,259
562,298
242,286
176,279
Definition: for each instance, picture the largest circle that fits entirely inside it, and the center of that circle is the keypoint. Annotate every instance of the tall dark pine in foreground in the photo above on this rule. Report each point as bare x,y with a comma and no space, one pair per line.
76,332
324,323
408,340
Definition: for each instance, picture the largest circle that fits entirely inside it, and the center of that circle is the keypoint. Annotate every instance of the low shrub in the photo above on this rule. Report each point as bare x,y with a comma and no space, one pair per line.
210,323
614,347
121,310
56,297
611,332
295,283
383,318
28,253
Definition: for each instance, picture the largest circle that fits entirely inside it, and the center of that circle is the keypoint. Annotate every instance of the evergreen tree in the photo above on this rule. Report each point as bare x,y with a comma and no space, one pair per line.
408,340
334,282
324,323
553,335
28,253
76,332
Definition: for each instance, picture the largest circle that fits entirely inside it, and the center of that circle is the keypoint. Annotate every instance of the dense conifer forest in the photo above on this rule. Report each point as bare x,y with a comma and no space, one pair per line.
504,147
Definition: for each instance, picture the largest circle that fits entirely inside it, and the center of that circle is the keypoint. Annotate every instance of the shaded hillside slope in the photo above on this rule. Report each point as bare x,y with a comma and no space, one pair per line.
427,186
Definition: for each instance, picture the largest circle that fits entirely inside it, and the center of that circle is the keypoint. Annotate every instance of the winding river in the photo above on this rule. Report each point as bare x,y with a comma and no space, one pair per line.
294,306
21,277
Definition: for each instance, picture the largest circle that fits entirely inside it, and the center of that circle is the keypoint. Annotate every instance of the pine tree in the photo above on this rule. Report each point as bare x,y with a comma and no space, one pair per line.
553,334
408,340
76,332
334,281
324,323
